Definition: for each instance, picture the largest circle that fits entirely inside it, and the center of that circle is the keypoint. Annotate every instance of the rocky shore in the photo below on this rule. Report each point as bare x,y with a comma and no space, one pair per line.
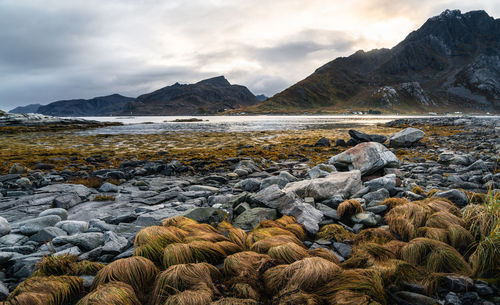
96,215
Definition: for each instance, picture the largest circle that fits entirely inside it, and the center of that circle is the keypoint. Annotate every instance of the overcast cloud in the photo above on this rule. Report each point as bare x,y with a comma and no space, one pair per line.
59,49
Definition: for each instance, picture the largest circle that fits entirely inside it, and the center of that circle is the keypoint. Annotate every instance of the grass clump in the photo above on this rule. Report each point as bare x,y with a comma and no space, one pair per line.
348,208
393,202
288,253
65,265
434,256
104,198
335,232
137,271
116,293
53,290
184,277
234,301
375,235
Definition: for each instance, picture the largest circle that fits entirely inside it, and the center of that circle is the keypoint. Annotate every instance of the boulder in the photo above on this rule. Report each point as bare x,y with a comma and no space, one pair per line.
203,188
458,197
12,239
415,298
365,218
339,183
280,181
366,157
4,226
321,170
73,226
249,185
251,218
107,187
79,189
113,243
323,142
47,234
32,226
56,211
406,137
387,182
288,203
206,215
67,201
4,291
85,241
363,137
17,168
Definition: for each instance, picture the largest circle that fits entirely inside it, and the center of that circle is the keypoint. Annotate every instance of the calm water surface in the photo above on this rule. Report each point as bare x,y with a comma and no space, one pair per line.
160,124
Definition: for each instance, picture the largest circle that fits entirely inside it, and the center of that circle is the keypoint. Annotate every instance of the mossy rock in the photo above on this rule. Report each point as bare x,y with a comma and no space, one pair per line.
208,215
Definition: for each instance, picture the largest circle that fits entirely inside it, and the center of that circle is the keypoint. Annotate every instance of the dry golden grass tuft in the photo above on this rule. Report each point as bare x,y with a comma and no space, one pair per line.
116,293
335,232
393,202
375,235
349,208
324,253
184,277
288,253
137,271
434,256
234,301
52,290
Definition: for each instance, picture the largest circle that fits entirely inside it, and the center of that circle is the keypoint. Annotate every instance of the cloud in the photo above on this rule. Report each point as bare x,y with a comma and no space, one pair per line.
56,49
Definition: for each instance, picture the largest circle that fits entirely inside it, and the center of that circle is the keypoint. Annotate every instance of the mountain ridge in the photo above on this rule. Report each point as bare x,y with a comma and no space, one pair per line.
450,63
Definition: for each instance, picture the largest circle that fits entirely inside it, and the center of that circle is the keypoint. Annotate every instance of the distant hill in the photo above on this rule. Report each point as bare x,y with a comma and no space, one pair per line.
452,63
98,106
261,97
32,108
205,97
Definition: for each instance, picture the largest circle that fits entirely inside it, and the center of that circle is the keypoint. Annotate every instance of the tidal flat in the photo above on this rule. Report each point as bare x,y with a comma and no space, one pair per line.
405,212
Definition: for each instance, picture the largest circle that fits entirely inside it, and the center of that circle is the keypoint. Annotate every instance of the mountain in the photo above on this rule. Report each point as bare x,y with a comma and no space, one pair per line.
261,97
98,106
205,97
451,63
32,108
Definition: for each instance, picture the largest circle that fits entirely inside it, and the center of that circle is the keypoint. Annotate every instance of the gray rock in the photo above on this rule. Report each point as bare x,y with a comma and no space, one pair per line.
415,298
378,209
286,175
280,181
107,187
24,183
380,194
101,225
47,234
334,201
32,226
154,218
452,299
367,157
17,168
56,211
363,137
206,215
290,204
113,243
79,189
5,257
365,218
340,183
4,226
67,201
388,182
459,198
71,250
73,226
249,184
323,142
458,283
327,211
203,188
4,291
406,137
13,239
85,241
343,249
251,218
242,207
321,170
483,289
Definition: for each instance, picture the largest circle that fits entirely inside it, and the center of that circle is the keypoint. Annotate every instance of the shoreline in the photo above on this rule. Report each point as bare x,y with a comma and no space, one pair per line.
111,196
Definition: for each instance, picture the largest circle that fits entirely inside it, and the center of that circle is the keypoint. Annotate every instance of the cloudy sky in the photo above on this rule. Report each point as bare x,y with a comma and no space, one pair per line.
59,49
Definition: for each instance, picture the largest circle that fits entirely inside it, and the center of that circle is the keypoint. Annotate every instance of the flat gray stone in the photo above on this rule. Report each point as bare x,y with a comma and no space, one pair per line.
55,211
4,226
47,234
85,241
73,226
251,218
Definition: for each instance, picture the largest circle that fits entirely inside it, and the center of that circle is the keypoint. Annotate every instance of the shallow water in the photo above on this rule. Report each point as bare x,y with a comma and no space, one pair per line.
160,124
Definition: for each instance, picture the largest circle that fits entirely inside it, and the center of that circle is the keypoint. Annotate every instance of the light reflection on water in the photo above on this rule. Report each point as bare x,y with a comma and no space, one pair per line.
160,124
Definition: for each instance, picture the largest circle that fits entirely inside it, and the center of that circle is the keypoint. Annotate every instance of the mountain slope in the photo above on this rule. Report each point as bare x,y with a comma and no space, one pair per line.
98,106
451,63
207,96
32,108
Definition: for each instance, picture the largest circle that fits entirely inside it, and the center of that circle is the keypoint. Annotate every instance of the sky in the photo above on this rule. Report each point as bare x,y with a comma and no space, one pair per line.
58,49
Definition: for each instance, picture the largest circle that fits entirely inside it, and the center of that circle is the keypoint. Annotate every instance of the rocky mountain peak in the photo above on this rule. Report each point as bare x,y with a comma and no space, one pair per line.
220,81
